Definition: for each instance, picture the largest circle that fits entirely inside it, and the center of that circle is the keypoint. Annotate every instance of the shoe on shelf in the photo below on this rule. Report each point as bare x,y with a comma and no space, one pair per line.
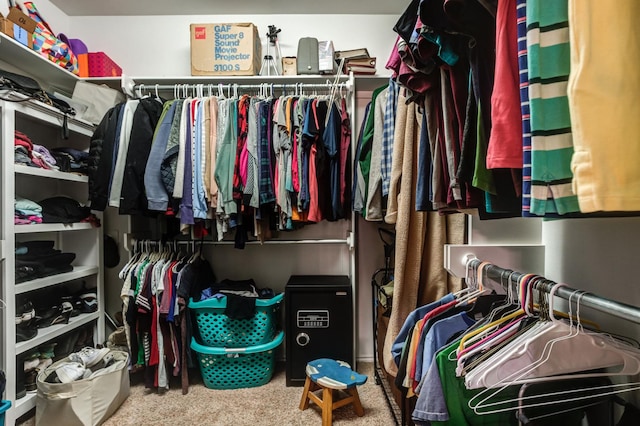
58,314
26,331
25,313
87,302
31,363
71,300
68,372
30,380
46,350
44,363
89,356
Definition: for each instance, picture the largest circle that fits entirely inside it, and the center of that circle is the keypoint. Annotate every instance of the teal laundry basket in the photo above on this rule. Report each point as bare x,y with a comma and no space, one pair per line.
216,329
234,368
4,406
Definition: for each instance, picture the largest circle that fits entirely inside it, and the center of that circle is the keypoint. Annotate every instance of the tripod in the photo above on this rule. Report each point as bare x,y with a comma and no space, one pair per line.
271,65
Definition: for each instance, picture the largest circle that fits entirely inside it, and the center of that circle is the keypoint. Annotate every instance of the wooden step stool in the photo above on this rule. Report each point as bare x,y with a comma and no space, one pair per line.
330,375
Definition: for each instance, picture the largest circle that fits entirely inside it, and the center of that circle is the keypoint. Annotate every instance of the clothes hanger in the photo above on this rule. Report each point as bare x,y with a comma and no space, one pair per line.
566,345
553,398
502,320
505,320
524,285
491,337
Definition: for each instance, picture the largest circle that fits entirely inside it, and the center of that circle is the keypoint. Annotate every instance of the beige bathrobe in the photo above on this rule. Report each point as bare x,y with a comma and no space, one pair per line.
419,275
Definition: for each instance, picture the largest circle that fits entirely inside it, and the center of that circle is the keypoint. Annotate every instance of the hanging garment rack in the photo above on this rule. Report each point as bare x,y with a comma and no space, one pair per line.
332,88
508,277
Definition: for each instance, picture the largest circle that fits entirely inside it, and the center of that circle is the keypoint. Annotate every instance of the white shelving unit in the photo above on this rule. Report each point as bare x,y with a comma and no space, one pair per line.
46,72
42,124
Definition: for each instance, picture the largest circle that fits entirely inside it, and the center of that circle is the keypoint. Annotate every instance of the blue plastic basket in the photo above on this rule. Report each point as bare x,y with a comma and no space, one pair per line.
218,330
4,406
234,368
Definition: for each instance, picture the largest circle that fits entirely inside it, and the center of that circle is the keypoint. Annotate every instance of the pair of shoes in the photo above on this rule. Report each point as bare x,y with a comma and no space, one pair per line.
89,357
57,314
68,372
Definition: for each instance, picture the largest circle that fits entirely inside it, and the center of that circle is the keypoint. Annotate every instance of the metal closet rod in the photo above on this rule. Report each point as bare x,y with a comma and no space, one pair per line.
278,86
602,304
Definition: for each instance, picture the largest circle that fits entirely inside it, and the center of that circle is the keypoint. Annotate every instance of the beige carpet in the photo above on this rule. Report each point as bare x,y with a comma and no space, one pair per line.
271,404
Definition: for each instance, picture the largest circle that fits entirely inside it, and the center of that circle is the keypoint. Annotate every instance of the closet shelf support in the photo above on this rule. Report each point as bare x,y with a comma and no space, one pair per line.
520,257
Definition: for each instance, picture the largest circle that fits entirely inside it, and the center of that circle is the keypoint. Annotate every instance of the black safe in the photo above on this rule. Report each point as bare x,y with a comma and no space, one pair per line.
318,322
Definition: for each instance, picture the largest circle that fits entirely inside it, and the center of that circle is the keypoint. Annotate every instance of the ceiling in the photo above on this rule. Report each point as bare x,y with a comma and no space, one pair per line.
227,7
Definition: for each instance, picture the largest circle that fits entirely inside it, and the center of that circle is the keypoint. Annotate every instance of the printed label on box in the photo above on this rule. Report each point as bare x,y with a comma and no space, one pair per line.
231,46
224,49
21,35
201,33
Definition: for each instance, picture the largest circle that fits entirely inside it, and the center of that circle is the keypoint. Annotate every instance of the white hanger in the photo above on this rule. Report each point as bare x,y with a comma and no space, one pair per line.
565,340
592,393
471,376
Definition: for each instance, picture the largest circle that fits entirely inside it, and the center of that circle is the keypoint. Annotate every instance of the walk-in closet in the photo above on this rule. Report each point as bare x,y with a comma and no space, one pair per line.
350,213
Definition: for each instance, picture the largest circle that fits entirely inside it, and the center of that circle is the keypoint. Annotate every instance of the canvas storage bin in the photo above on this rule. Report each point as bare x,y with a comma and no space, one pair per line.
83,402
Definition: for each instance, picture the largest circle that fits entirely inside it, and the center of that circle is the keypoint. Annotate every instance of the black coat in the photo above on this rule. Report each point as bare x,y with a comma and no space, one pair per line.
100,162
133,199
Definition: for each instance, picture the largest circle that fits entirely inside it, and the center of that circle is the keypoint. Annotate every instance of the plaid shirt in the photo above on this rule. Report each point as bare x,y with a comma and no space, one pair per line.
265,184
388,130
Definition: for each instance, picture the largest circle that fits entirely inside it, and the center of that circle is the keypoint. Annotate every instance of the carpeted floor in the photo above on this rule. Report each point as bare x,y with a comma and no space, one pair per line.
273,403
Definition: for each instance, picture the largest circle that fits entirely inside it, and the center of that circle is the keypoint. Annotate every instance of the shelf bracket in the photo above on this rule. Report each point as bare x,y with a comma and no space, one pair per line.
526,258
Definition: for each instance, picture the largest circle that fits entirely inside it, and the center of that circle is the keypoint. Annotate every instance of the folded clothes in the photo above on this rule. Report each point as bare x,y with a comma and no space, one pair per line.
21,157
77,155
33,271
38,255
17,220
50,260
25,205
44,152
63,160
20,219
63,210
35,245
38,259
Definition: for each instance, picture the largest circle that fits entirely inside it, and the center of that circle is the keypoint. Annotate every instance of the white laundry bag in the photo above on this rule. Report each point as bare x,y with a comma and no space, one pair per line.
83,402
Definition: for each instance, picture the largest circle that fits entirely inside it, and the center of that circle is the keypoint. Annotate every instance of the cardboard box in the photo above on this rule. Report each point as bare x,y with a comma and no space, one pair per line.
101,65
225,49
289,66
18,26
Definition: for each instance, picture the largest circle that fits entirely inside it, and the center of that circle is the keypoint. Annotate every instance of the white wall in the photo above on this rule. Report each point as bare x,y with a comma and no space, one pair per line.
159,45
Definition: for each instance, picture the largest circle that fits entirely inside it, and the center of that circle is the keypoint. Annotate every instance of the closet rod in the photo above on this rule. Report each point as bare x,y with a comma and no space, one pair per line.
279,86
608,306
268,242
